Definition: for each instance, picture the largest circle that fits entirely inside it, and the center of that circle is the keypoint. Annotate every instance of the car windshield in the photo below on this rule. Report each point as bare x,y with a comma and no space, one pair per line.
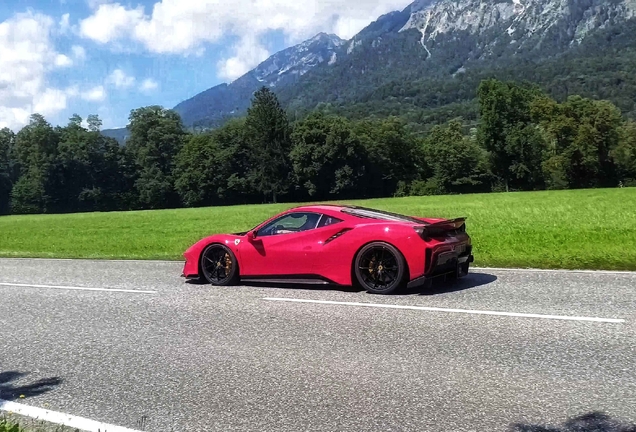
379,214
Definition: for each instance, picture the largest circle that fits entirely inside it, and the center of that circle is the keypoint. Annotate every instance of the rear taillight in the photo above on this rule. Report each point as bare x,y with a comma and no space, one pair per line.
422,232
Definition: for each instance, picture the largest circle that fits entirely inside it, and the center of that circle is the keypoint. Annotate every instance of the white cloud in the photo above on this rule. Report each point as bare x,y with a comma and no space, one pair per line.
49,102
120,79
149,85
110,22
97,93
63,61
248,54
27,56
78,52
183,26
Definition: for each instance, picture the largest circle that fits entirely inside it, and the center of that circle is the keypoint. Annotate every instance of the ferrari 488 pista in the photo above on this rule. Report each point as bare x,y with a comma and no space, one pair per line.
336,244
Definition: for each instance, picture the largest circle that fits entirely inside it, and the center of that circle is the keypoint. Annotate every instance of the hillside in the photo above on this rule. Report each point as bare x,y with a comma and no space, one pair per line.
424,63
445,48
601,67
224,101
119,134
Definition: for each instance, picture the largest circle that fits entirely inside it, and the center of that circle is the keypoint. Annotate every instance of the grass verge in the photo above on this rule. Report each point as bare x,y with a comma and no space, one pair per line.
9,426
11,423
582,229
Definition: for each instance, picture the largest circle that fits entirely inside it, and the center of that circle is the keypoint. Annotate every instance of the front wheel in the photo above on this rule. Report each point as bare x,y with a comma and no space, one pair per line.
379,268
219,266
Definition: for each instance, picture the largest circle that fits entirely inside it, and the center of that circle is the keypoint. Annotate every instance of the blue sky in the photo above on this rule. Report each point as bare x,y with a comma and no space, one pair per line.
60,57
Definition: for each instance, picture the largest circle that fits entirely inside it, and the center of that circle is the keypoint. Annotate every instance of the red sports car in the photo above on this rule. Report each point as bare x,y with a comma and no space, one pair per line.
335,244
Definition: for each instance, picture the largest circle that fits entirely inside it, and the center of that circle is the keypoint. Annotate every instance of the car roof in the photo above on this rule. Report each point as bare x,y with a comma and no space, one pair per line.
333,209
321,208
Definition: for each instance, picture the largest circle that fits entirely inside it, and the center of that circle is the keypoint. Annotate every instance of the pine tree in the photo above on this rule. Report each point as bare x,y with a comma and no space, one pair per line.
267,133
7,138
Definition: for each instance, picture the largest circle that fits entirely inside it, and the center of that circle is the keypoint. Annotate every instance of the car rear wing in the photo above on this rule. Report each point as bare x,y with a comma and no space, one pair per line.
445,228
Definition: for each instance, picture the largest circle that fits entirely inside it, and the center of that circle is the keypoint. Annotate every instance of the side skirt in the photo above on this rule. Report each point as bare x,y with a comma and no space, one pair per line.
287,279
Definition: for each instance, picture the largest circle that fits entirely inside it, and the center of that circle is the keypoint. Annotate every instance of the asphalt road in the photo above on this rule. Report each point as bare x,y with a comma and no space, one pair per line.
184,357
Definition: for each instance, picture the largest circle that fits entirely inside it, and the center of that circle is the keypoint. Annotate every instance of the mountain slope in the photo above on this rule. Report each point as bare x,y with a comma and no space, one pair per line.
213,106
121,134
442,39
433,54
601,67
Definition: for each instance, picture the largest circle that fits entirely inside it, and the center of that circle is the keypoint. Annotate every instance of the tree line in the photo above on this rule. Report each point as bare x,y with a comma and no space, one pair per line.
522,140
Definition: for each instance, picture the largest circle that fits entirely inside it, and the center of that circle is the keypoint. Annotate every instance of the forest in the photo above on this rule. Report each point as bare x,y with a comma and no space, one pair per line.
521,139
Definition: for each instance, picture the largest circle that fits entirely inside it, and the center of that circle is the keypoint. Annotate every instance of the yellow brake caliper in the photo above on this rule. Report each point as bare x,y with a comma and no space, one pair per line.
228,264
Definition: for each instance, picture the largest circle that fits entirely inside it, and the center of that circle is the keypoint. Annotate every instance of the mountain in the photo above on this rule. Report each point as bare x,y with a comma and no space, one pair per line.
218,104
121,135
503,26
439,41
284,68
425,62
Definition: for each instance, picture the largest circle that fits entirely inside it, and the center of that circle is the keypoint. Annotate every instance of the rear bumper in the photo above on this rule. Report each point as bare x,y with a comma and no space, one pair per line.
446,265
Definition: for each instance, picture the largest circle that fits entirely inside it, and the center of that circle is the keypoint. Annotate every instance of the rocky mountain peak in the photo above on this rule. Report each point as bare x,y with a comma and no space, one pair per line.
297,60
518,20
323,37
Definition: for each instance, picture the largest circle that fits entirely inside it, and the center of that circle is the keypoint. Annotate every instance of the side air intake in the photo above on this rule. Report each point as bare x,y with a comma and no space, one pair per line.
336,235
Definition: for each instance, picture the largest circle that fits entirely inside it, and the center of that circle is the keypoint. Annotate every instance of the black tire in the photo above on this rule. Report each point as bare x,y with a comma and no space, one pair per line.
218,265
380,268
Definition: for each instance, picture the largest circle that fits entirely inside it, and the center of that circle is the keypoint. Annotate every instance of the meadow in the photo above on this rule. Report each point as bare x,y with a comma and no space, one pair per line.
576,229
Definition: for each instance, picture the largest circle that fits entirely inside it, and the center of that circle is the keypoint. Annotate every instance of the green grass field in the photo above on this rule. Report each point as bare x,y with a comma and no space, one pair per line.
585,229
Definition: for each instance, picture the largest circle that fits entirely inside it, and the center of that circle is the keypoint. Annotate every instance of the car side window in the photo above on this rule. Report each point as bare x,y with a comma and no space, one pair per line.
328,220
290,223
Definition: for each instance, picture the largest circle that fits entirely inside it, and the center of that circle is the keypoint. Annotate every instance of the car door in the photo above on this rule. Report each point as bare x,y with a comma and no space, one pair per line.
279,247
323,259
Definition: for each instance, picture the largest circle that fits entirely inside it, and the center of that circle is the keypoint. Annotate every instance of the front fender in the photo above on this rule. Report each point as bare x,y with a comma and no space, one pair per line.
193,254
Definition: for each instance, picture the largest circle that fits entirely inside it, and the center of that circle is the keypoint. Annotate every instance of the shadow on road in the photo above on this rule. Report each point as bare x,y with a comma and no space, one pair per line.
307,287
295,286
592,422
11,390
473,280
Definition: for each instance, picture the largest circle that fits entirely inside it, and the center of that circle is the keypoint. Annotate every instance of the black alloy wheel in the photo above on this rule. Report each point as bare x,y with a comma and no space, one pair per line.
380,268
219,265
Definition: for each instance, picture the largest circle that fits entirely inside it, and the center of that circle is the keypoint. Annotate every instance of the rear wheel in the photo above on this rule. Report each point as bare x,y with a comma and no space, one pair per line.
219,266
379,268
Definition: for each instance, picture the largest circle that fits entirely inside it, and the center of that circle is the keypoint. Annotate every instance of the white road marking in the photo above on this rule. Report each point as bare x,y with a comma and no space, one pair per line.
464,311
537,270
68,420
11,284
97,260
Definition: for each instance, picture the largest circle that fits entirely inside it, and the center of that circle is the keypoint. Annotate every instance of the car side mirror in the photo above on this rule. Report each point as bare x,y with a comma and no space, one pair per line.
251,235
